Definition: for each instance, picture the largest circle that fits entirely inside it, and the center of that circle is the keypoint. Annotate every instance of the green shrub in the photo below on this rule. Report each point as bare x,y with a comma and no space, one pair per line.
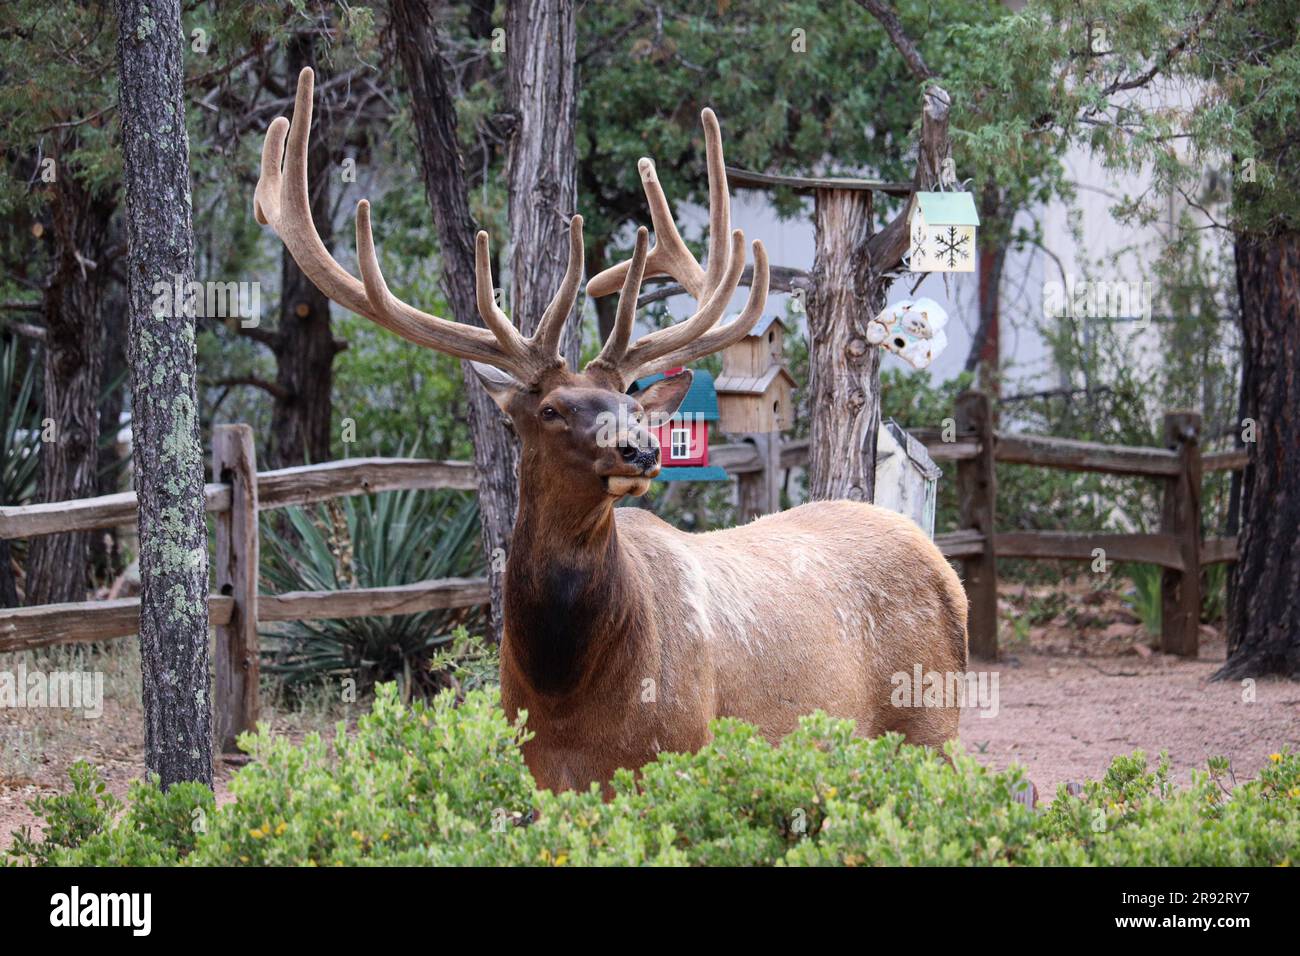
444,783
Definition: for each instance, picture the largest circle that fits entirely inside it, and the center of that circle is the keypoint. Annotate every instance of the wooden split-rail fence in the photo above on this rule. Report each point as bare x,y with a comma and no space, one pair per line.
239,492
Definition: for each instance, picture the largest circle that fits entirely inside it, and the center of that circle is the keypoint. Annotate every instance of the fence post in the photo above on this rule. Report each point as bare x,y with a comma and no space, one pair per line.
1180,591
235,691
758,493
977,492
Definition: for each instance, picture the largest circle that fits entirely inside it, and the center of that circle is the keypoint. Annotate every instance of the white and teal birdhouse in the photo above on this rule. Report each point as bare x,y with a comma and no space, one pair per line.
942,228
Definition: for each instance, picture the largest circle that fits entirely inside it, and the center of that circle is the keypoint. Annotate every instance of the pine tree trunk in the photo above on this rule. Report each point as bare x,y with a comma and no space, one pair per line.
541,48
57,564
496,452
844,369
168,457
1264,613
304,344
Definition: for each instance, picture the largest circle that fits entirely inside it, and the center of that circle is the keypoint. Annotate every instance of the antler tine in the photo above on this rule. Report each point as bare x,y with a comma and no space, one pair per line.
547,335
670,255
616,345
719,199
724,336
281,201
654,344
711,287
485,296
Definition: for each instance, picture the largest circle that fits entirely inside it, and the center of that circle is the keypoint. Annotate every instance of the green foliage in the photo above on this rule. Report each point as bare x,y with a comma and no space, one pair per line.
445,783
20,425
83,828
401,537
1133,817
1145,598
70,818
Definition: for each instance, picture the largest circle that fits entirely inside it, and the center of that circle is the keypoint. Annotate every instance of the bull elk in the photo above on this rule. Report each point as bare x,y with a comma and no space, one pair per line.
624,636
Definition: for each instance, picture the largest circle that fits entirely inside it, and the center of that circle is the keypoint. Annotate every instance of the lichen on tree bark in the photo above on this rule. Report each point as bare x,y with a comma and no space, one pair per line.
168,457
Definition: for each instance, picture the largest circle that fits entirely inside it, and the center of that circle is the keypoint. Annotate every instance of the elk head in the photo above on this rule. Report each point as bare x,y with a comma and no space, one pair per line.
581,428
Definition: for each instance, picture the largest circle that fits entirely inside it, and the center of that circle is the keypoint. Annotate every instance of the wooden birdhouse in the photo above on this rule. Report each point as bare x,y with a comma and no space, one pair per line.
755,390
942,229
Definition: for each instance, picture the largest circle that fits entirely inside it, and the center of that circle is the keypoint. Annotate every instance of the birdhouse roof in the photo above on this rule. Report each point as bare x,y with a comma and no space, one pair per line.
693,473
949,209
756,385
763,324
700,402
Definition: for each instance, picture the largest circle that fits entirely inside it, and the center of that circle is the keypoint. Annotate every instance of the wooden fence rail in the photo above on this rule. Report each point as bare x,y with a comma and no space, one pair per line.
239,492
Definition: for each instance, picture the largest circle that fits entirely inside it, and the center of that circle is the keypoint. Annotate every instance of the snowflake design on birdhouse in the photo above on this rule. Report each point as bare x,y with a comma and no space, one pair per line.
943,232
951,247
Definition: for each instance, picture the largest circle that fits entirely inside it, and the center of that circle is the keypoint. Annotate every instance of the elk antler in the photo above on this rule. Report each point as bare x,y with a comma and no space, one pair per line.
281,201
712,287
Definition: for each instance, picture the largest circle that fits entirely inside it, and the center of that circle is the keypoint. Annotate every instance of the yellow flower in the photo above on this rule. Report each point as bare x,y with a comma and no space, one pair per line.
257,833
281,828
356,835
562,859
1276,758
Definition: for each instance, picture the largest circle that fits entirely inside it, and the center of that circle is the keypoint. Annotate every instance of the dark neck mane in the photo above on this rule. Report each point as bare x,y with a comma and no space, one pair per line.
571,607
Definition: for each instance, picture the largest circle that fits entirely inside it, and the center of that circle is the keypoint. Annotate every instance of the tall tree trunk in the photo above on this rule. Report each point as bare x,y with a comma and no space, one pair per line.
57,564
168,457
496,453
985,355
1264,615
541,48
105,555
844,369
304,344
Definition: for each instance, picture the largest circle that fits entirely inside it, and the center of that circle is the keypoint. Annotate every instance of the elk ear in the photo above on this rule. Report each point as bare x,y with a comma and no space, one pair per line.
662,399
501,385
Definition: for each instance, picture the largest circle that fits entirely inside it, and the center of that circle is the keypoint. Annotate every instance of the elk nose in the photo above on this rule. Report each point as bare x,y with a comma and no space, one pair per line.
644,457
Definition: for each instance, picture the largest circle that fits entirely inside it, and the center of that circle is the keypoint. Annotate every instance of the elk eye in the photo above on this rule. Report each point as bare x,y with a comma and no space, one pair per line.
549,414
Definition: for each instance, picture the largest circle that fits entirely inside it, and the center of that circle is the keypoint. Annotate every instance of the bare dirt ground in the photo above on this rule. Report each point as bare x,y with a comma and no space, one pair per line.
1077,685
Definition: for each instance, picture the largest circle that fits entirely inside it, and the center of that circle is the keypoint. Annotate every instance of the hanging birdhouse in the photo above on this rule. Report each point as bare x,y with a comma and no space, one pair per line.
755,390
911,330
942,227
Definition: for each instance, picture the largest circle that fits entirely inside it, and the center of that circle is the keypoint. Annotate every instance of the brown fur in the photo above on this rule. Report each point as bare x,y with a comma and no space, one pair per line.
625,636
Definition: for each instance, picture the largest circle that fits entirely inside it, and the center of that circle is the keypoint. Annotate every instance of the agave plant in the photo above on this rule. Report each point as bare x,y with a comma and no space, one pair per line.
399,537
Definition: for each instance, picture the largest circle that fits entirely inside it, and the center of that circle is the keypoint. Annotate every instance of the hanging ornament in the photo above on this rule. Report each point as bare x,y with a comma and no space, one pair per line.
911,330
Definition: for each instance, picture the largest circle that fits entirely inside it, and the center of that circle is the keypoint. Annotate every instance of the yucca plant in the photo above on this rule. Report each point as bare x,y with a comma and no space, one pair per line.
20,427
399,537
20,442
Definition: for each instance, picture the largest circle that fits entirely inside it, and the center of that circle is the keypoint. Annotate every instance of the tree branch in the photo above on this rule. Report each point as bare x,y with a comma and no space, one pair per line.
271,388
886,248
783,279
888,19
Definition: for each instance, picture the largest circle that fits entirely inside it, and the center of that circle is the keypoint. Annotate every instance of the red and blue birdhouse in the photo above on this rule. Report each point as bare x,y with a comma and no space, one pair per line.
684,438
